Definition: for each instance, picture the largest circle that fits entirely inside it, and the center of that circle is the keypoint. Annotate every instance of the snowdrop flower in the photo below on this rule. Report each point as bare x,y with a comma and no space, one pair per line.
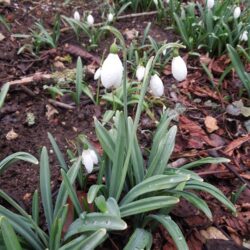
156,2
210,4
77,16
140,71
164,52
156,86
167,1
244,36
112,69
179,68
89,158
237,12
90,20
110,17
97,74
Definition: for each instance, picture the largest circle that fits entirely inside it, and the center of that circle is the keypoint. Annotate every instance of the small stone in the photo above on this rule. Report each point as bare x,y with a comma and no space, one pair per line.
11,135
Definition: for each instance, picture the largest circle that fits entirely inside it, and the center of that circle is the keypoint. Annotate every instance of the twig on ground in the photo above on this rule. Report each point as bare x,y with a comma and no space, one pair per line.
60,104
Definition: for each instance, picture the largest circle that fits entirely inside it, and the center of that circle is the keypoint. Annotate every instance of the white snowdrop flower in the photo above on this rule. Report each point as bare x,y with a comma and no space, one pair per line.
167,1
156,2
112,69
90,20
244,36
237,12
210,4
140,71
156,86
97,74
77,16
89,158
110,17
164,52
179,68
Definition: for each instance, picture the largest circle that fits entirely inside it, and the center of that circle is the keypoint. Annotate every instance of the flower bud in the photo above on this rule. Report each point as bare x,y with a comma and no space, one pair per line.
237,12
210,4
110,17
90,20
140,71
89,158
244,36
179,68
156,86
77,16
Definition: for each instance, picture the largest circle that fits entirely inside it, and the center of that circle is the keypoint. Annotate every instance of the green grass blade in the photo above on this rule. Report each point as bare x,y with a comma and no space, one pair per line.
35,207
79,74
3,93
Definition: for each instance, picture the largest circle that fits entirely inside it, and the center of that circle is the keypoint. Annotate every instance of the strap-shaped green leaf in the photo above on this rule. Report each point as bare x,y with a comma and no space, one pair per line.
93,191
9,235
35,207
154,183
147,204
79,75
3,93
173,230
140,239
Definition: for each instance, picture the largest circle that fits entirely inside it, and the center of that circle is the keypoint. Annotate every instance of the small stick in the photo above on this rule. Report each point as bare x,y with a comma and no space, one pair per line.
61,104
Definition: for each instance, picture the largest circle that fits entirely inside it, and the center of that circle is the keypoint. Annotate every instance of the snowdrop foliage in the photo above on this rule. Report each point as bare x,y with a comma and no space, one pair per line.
140,71
112,71
244,36
97,74
210,4
156,86
77,16
89,158
237,12
110,17
179,68
90,20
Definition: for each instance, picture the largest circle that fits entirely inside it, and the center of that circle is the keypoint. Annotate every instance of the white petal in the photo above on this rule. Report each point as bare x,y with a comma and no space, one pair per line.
110,17
140,73
112,70
179,68
94,156
77,16
237,12
244,36
90,20
210,4
98,74
87,161
156,86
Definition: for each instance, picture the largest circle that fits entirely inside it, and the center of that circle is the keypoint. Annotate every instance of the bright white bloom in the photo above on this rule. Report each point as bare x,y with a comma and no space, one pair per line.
140,71
156,2
167,1
89,158
210,4
110,17
77,16
112,70
98,74
90,20
179,68
237,12
156,86
244,36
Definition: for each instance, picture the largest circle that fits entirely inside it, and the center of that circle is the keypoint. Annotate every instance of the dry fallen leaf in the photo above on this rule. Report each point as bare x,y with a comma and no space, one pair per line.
51,111
211,124
2,37
213,233
130,34
11,135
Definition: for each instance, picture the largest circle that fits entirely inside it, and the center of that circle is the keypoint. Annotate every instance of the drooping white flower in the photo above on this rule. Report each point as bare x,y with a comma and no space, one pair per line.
244,36
112,70
140,71
179,68
156,2
237,12
210,4
77,16
89,158
97,74
110,17
90,20
156,86
164,52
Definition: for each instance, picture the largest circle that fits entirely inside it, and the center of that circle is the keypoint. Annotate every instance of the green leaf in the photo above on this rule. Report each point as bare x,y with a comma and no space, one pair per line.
100,202
83,243
192,174
9,235
206,187
3,93
173,230
79,74
87,91
45,187
58,152
16,157
154,183
147,204
140,239
35,207
208,160
113,208
94,221
93,191
71,192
